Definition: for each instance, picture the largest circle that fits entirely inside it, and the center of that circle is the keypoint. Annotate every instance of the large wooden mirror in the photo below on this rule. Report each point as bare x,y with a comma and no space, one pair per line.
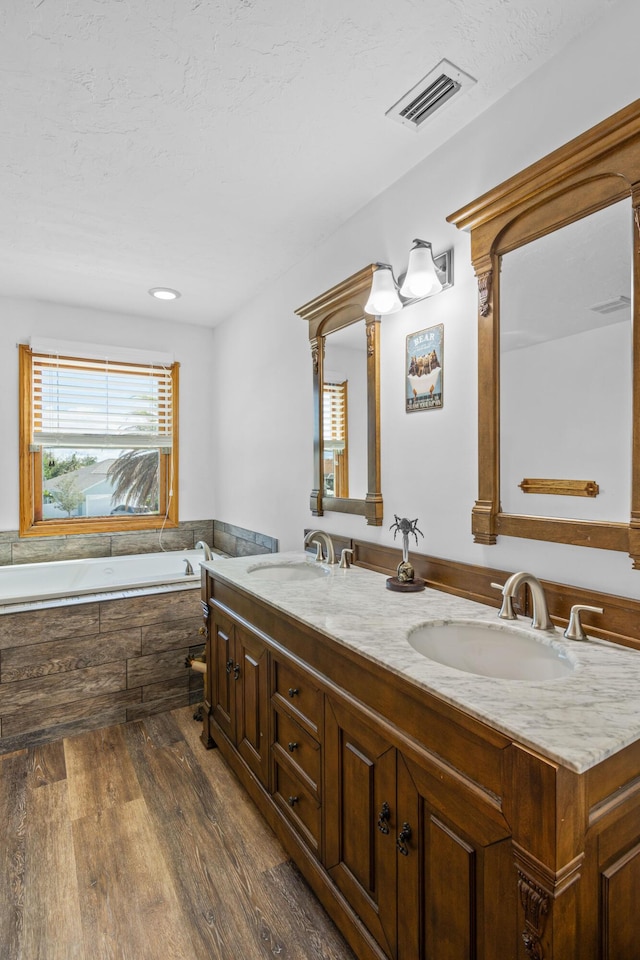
345,350
556,250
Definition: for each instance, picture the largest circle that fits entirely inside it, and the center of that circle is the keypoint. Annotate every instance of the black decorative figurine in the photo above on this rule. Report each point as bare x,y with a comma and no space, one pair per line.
405,579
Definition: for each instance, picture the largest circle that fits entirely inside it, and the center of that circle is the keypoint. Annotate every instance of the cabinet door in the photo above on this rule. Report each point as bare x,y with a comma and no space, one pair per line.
221,664
455,871
359,820
251,687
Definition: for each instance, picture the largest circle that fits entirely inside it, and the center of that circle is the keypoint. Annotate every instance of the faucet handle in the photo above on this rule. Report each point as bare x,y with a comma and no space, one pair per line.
344,559
506,610
575,629
319,555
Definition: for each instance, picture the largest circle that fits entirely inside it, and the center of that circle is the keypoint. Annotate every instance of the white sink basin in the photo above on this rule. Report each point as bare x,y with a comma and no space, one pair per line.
286,572
491,651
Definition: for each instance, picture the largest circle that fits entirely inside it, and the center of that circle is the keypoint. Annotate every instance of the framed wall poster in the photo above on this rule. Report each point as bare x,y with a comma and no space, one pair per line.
424,367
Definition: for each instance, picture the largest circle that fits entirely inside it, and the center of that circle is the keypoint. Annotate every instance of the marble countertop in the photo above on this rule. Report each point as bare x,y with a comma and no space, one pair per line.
577,720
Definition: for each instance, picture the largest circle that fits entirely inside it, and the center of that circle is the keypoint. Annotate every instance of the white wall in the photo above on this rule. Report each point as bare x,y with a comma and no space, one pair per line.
262,365
582,386
190,345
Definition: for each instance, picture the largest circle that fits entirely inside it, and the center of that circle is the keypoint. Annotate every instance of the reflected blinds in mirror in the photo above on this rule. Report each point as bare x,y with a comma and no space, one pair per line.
335,465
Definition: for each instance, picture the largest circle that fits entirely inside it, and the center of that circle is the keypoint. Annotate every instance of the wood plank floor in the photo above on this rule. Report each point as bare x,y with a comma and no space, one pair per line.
133,843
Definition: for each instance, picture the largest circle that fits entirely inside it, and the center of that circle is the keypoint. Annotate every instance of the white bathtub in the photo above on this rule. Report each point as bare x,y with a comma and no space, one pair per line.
28,582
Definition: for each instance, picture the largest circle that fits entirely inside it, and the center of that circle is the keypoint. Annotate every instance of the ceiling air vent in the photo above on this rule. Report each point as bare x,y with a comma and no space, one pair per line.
611,306
433,91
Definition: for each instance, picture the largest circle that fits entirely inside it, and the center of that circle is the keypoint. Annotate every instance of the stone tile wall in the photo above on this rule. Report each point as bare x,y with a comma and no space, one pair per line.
236,541
79,546
79,666
239,542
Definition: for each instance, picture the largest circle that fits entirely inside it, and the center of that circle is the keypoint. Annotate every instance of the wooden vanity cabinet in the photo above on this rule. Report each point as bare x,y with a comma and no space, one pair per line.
360,820
428,868
426,834
238,689
297,712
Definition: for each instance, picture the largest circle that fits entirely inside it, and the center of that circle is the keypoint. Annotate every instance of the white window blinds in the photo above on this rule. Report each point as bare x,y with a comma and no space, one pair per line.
334,397
100,403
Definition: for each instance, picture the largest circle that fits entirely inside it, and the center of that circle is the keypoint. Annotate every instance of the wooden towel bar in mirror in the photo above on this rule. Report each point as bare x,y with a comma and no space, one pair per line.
556,250
345,351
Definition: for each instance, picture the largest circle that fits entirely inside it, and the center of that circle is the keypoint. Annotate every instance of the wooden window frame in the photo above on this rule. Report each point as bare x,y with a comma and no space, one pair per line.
30,475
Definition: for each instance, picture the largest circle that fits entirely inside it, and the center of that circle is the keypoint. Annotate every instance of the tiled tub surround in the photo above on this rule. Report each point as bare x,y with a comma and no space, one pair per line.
71,663
233,540
577,720
68,666
240,542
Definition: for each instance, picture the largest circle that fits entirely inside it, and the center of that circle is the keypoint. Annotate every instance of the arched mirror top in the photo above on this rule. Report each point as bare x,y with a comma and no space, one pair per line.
346,390
578,182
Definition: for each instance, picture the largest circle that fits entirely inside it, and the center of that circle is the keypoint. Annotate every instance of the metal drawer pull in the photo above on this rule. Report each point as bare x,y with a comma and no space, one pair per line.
403,836
292,801
292,746
229,666
236,671
293,691
383,818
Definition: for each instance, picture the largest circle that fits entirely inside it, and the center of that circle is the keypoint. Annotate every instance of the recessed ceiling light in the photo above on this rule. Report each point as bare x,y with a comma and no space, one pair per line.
164,293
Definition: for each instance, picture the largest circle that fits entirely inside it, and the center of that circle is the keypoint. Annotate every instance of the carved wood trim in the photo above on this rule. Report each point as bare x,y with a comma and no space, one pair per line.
484,292
535,902
538,889
316,344
370,340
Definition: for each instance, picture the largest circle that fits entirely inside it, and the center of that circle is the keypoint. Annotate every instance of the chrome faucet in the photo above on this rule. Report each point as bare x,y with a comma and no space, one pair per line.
315,536
541,619
206,549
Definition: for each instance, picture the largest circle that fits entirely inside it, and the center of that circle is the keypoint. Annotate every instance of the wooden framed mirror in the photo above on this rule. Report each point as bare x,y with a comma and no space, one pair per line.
556,245
345,352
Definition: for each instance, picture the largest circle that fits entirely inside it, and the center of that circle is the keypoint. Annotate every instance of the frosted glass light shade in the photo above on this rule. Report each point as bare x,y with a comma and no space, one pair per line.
421,279
383,297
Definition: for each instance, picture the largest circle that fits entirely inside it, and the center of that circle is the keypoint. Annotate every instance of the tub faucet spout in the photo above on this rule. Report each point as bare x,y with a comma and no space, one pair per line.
206,549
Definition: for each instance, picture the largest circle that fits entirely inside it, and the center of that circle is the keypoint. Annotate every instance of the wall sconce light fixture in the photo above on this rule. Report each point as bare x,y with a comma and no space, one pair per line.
425,276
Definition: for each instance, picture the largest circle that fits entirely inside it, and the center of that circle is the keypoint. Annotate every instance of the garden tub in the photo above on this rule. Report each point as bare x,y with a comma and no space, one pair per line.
32,582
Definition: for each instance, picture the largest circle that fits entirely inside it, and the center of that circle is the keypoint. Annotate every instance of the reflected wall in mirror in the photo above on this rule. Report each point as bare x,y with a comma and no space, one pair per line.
565,369
556,250
344,392
346,388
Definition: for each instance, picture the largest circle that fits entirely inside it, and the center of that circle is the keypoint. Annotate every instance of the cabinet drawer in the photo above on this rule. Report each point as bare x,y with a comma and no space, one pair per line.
299,749
302,698
298,803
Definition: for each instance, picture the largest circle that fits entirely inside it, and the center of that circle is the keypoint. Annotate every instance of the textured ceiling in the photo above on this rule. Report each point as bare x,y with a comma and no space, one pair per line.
209,145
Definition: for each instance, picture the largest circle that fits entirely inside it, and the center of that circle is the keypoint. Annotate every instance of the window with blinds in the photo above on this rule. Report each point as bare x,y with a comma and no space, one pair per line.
335,438
79,403
98,443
